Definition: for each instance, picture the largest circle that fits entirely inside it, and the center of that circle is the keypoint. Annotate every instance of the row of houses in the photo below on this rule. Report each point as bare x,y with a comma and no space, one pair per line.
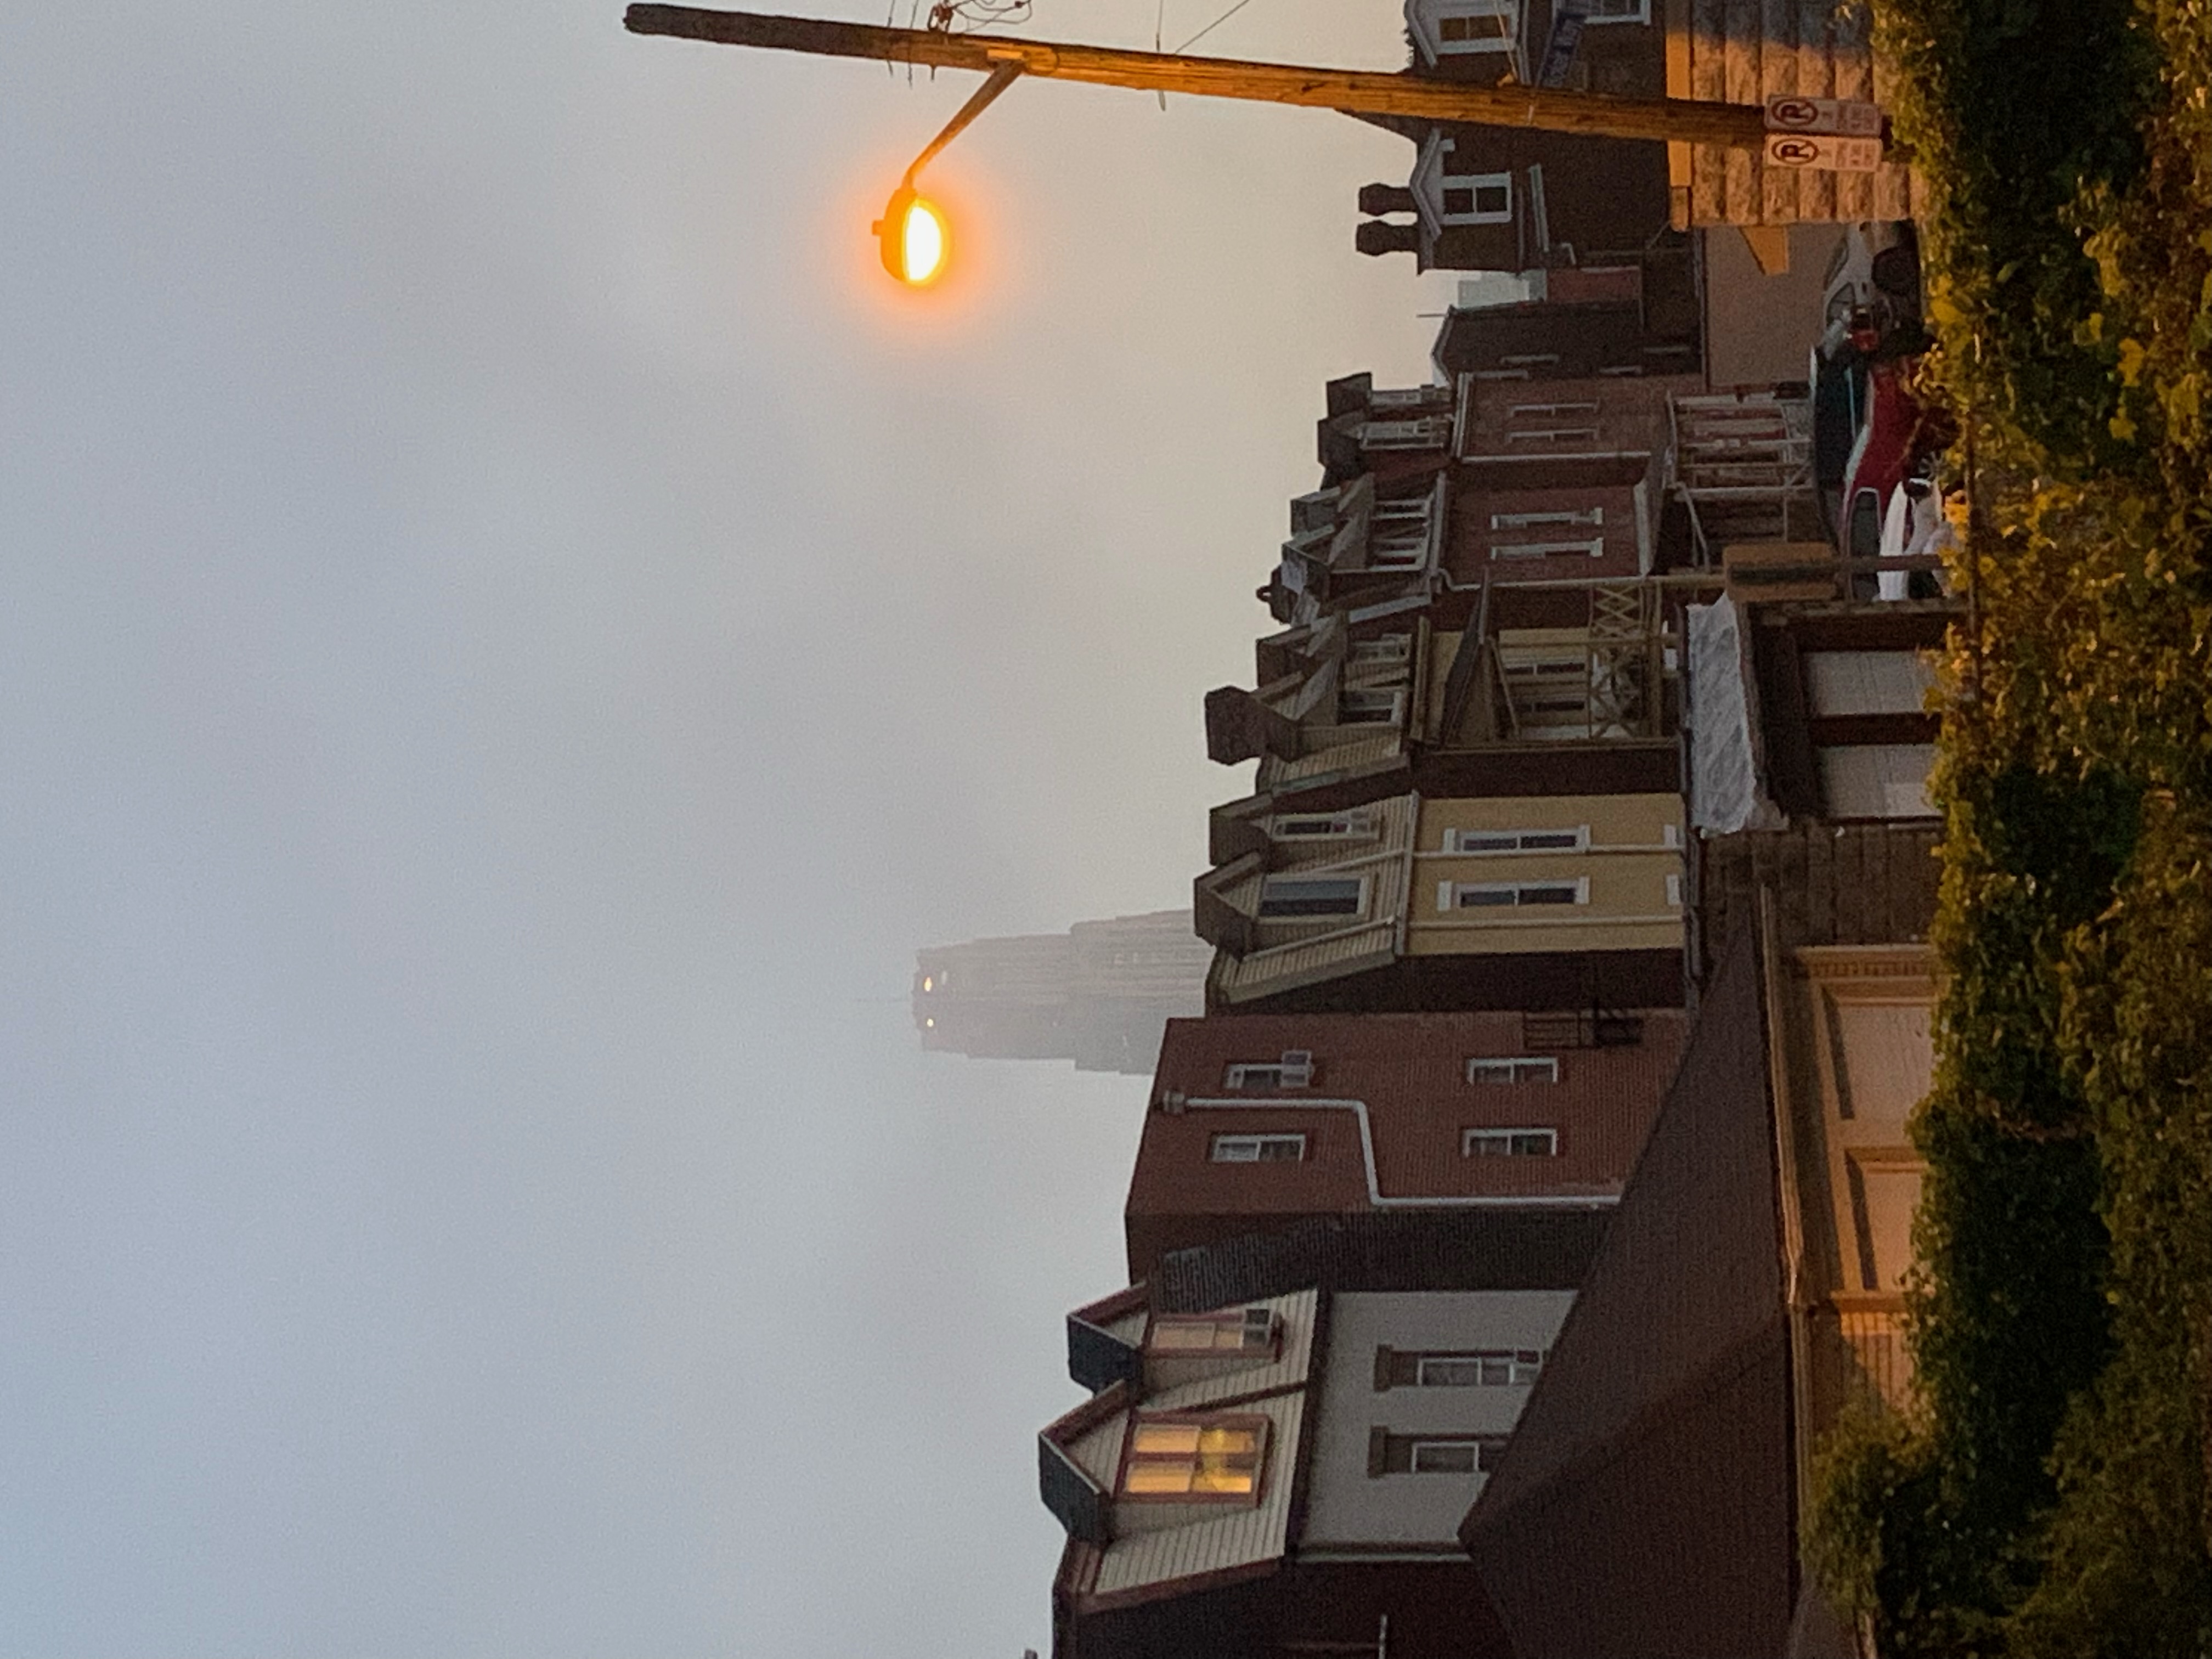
1530,1185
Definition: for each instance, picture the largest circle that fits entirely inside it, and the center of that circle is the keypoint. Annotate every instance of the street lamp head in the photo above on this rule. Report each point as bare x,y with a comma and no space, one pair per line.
915,239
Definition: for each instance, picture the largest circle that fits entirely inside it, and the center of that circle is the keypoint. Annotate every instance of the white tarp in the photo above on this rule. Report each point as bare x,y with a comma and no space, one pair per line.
1724,781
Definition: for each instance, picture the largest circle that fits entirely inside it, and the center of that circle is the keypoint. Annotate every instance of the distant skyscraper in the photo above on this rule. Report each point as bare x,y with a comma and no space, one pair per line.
1099,995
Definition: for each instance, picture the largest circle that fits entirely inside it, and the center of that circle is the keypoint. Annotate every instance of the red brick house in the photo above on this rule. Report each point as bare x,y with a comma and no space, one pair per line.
1259,1121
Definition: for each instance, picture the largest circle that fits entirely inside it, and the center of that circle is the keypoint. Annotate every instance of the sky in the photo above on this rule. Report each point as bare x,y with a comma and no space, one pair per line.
513,633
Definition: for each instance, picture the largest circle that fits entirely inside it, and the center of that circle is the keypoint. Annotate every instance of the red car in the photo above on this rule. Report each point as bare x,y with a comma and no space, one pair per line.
1894,440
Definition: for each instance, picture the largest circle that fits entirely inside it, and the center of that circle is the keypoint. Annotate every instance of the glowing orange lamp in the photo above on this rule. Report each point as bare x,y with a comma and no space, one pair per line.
915,235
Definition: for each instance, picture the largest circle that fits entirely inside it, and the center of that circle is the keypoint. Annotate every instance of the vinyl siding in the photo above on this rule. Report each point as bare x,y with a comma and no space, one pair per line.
1158,1557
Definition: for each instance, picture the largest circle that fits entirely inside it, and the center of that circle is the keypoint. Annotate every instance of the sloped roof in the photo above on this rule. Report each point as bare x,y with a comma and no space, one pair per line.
1644,1505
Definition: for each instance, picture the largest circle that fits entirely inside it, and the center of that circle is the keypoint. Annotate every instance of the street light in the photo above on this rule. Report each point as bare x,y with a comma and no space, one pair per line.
915,239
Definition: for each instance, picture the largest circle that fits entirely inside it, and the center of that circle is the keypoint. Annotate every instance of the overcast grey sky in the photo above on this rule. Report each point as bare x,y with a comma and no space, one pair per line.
512,634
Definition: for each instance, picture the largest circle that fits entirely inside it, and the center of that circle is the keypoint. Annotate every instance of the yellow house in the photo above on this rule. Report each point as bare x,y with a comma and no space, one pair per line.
1529,902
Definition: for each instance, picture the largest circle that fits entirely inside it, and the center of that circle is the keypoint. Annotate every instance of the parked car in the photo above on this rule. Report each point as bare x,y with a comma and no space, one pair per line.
1914,526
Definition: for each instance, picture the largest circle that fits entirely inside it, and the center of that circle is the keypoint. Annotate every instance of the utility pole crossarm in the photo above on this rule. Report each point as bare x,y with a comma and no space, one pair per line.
1362,92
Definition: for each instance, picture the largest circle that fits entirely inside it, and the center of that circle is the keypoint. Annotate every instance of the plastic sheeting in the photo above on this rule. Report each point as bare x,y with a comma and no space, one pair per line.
1723,776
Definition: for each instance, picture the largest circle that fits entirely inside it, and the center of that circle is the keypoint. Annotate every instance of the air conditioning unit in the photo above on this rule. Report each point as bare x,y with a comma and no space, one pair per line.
1298,1068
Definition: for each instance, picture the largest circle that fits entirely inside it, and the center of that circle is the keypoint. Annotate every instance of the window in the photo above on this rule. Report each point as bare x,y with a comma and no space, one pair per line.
1293,1071
1474,1368
1238,1330
1391,648
1333,826
1501,374
1480,198
1529,359
1366,705
1510,895
1675,892
1211,1456
1593,515
1571,840
1594,548
1581,1030
1559,434
1407,397
1619,11
1509,1143
1259,1149
1522,412
1283,896
1432,1454
1513,1068
1476,26
1623,369
1427,432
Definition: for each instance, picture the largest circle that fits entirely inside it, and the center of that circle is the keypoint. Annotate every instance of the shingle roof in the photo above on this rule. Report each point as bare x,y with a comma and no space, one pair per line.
1644,1505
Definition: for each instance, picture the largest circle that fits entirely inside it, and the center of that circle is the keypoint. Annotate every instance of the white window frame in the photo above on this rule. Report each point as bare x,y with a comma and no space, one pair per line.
1530,410
1595,548
1467,842
1516,1368
1499,1070
1554,434
1506,40
1408,397
1631,11
1293,1070
1381,705
1419,432
1501,374
1251,1148
1382,651
1453,896
1472,1140
1529,359
1570,515
1473,183
1675,892
1322,826
1442,1455
1358,908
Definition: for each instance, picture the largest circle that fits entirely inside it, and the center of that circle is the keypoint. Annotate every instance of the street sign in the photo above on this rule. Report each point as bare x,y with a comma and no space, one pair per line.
1846,118
1823,151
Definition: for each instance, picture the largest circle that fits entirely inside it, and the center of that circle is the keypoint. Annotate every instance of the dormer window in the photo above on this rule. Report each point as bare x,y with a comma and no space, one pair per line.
1333,826
1478,198
1288,897
1195,1457
1455,27
1360,705
1232,1330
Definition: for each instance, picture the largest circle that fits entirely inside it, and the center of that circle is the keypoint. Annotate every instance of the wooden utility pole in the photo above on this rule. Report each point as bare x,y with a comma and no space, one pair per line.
1356,92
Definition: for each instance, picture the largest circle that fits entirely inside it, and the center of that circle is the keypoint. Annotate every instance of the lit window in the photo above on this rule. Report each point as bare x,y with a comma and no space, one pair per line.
1516,1068
1195,1457
1238,1330
1283,896
1509,1143
1259,1149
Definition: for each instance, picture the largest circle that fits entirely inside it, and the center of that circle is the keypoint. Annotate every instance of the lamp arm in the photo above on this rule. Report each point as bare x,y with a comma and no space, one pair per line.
1001,77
